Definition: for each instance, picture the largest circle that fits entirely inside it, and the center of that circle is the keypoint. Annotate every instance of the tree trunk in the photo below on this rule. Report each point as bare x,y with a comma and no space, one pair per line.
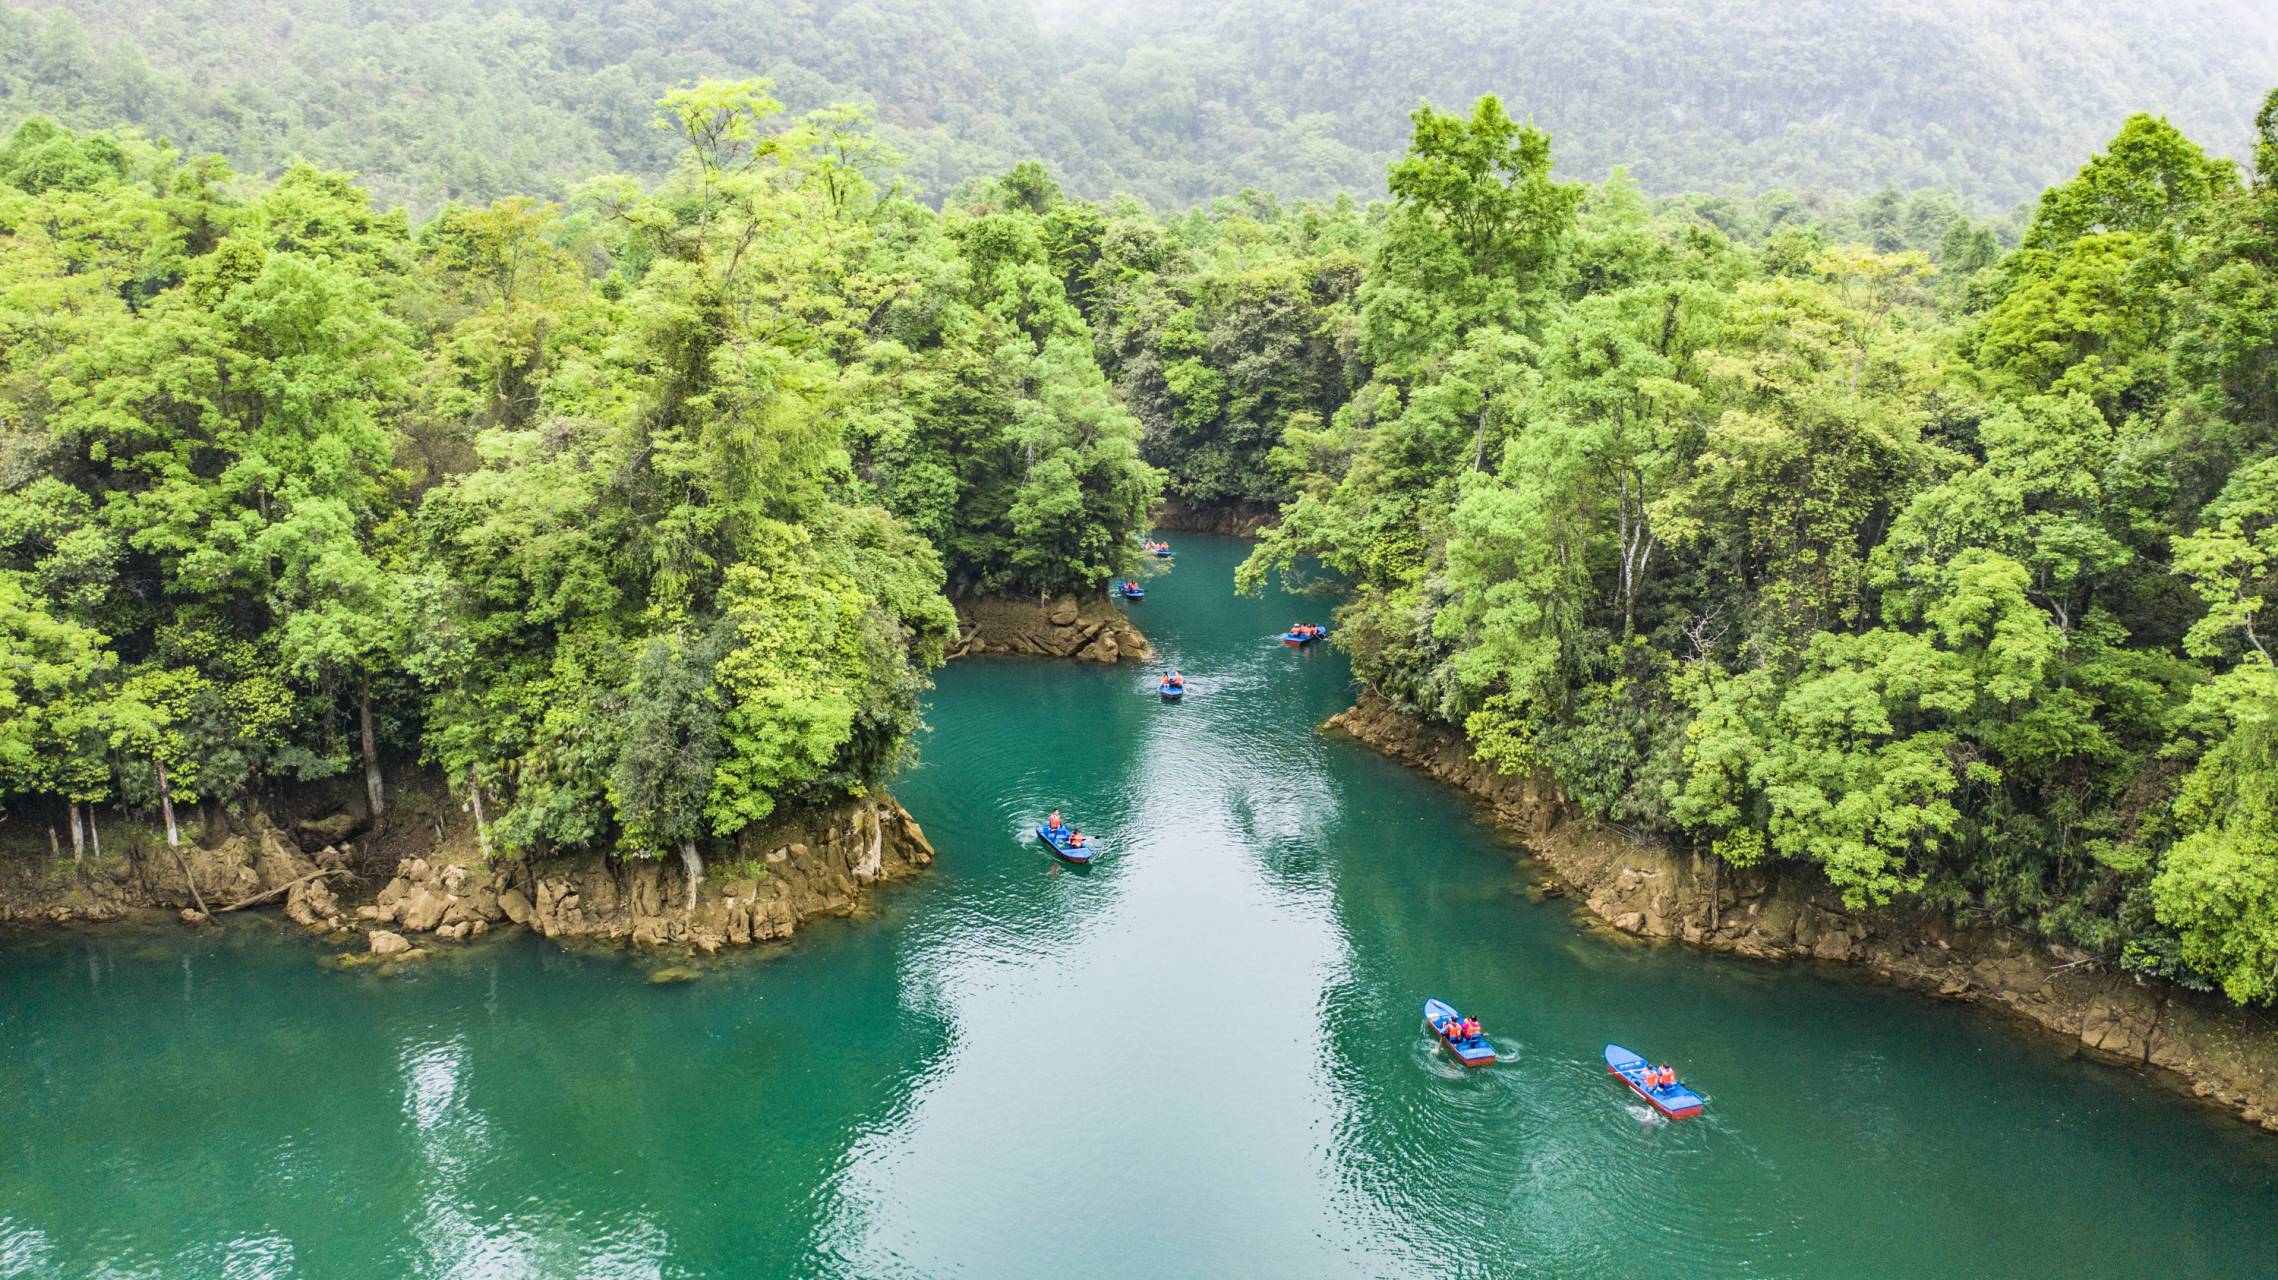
694,862
78,842
166,807
94,834
474,794
373,790
54,849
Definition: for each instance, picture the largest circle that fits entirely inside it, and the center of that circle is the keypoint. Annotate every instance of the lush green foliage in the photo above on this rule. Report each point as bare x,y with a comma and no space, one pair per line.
1940,572
634,519
438,100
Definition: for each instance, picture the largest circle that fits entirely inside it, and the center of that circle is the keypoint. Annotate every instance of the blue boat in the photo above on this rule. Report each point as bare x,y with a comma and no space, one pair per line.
1164,553
1058,843
1672,1100
1171,692
1297,640
1471,1051
1130,591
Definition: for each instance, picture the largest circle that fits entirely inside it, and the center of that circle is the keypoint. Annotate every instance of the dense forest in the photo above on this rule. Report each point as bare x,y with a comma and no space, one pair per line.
634,521
432,101
1873,539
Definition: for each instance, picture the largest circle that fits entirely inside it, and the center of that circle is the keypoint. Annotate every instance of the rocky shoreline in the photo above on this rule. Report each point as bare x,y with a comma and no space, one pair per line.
430,884
2217,1052
1233,520
1089,631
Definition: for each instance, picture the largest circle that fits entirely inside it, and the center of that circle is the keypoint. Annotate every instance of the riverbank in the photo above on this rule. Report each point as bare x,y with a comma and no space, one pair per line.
2217,1052
1233,519
423,878
1093,630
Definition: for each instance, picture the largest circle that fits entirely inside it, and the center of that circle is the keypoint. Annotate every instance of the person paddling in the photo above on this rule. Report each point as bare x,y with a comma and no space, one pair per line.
1076,838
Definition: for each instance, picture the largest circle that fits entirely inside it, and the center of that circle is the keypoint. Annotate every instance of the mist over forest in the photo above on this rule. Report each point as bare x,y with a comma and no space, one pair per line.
434,101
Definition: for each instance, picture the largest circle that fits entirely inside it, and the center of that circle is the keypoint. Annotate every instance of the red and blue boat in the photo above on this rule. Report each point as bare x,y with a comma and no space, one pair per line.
1672,1100
1057,842
1130,591
1441,1019
1300,639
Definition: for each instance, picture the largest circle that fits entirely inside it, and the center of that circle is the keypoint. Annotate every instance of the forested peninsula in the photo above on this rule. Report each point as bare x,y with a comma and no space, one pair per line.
1906,554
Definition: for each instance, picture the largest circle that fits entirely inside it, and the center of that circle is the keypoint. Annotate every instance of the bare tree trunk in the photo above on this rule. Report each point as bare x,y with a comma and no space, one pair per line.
55,848
694,862
78,843
373,789
166,806
474,794
94,834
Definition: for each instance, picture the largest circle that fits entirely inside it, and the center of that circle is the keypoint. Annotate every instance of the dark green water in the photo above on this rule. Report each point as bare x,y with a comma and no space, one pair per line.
1200,1057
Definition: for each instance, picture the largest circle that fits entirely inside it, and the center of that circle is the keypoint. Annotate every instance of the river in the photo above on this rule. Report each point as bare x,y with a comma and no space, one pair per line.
1199,1057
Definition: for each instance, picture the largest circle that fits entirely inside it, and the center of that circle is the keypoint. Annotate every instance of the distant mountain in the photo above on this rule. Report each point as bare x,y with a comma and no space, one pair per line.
1176,102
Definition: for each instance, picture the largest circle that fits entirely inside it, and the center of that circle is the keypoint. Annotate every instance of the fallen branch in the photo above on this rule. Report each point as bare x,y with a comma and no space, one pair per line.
189,880
267,894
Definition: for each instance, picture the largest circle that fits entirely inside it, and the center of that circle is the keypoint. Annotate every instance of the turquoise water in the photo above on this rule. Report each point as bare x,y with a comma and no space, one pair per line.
1201,1056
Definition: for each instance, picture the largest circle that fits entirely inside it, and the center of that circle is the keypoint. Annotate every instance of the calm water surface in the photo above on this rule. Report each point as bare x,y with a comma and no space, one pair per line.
1200,1057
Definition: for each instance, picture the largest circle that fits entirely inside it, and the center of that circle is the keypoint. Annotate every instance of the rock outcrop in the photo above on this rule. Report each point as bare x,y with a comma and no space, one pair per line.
261,867
1233,519
2215,1051
779,876
1091,630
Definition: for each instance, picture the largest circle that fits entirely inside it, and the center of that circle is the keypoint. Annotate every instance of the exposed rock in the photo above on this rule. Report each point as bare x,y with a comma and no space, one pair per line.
315,834
1238,520
1093,629
384,943
812,865
312,904
673,975
424,909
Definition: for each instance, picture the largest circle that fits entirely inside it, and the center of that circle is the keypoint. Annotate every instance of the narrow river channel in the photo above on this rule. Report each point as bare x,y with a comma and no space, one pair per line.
1199,1057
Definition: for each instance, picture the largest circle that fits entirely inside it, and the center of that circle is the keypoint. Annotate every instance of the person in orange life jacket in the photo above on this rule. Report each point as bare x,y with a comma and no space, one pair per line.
1053,823
1471,1028
1076,838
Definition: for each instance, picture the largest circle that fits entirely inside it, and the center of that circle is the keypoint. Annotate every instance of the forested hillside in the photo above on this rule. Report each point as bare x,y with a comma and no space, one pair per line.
635,523
437,100
1939,574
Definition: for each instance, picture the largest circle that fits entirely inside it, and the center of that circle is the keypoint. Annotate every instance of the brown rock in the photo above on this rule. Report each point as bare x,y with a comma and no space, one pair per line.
1064,611
388,944
515,905
423,910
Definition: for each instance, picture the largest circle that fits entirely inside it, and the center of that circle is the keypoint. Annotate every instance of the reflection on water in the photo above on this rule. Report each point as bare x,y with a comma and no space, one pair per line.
1201,1056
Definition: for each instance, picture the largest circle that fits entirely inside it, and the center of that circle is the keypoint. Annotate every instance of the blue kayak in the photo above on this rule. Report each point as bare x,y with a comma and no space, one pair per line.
1471,1051
1171,692
1672,1100
1295,640
1057,841
1130,592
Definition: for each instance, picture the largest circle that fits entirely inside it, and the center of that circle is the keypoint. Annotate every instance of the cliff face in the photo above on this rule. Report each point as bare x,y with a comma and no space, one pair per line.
2218,1052
1237,520
1090,631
